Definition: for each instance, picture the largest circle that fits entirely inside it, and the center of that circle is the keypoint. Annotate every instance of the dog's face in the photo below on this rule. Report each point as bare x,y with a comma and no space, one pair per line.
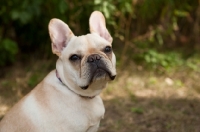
86,63
88,59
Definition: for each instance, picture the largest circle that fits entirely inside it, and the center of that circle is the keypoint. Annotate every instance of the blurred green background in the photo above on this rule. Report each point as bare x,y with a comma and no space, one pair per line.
156,42
156,33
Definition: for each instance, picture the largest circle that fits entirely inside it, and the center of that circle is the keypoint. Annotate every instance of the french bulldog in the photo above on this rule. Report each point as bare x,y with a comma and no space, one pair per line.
67,100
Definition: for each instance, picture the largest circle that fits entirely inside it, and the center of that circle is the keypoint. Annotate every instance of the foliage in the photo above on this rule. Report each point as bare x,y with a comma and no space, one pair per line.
193,62
165,60
8,50
147,28
150,29
26,22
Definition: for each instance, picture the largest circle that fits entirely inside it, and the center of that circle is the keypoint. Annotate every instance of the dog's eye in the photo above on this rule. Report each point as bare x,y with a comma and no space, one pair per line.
108,49
75,57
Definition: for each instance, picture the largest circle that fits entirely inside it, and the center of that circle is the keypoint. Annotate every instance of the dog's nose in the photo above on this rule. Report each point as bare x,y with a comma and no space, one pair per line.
93,58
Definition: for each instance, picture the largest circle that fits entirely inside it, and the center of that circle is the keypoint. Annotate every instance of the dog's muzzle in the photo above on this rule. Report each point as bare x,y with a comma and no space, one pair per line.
98,68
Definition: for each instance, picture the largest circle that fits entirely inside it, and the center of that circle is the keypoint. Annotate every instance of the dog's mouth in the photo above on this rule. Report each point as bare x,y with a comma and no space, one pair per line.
102,73
99,74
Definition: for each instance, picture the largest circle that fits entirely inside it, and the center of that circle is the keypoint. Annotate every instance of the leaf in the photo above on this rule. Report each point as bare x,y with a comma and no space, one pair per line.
96,2
10,46
128,7
8,50
181,13
15,15
62,6
25,17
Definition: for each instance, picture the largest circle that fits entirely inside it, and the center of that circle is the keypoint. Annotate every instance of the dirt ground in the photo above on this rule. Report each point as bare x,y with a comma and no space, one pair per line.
137,101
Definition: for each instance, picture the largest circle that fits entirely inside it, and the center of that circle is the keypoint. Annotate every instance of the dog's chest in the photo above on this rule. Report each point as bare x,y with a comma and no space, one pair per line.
94,111
76,115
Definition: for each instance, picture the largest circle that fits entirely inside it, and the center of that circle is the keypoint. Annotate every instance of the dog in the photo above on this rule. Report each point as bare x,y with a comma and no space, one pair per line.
67,100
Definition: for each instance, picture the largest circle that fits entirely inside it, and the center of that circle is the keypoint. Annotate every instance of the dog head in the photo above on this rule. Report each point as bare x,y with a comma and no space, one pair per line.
86,63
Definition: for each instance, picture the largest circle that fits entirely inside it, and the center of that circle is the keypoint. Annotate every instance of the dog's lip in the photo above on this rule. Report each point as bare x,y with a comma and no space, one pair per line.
112,77
84,87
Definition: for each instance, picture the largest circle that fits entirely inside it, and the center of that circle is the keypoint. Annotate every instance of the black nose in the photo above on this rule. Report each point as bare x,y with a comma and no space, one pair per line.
93,58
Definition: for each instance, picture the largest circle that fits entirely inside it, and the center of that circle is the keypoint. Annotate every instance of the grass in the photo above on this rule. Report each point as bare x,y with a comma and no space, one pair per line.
138,100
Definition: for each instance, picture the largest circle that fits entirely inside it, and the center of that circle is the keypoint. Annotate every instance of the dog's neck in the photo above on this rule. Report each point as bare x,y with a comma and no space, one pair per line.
86,97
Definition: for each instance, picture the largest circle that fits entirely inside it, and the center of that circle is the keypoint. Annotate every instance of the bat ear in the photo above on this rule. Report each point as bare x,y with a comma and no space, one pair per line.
98,25
60,35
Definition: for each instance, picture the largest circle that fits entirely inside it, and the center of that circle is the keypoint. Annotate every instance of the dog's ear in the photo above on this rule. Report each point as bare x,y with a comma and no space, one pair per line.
60,35
98,25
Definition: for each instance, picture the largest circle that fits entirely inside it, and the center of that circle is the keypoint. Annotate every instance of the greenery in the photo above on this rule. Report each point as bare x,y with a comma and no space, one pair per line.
8,50
149,31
